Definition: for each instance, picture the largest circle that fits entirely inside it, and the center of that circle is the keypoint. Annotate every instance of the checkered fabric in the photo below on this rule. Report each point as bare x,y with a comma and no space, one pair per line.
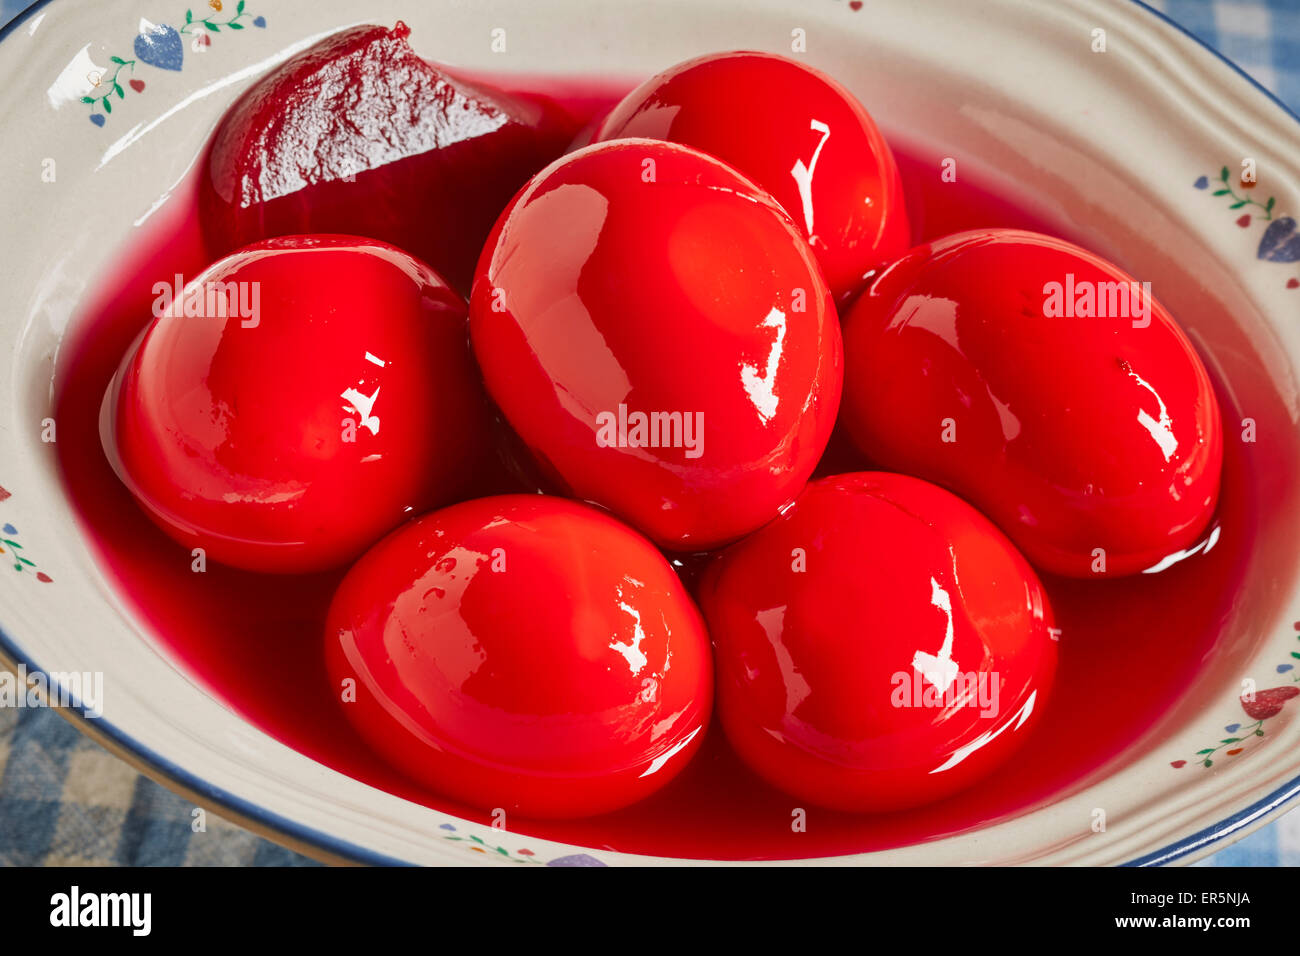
1260,36
64,800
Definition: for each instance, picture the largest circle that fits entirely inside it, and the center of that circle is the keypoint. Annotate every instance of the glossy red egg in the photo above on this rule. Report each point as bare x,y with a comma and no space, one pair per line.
359,135
297,401
1046,387
879,646
797,133
658,333
525,653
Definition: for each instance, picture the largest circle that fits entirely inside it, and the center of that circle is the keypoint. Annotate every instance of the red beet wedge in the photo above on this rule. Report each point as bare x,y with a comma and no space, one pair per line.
359,135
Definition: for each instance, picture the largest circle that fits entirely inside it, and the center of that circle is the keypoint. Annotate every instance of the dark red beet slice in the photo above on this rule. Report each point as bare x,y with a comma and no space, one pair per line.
359,135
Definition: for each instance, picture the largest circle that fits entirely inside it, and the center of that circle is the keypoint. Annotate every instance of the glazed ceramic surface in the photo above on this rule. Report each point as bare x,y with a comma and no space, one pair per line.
1135,149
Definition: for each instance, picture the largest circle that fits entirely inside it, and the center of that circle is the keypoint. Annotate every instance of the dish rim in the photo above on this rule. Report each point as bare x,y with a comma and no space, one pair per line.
310,840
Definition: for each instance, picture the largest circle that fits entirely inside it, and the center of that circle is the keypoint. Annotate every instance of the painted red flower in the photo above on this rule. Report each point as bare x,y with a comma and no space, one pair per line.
1268,703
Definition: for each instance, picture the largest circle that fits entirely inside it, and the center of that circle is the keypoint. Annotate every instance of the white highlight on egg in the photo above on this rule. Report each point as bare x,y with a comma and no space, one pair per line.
762,388
363,405
667,755
940,670
803,175
961,753
632,653
797,688
1198,548
1160,430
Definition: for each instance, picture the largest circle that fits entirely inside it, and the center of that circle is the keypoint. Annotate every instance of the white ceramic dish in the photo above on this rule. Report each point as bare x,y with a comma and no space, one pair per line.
1112,143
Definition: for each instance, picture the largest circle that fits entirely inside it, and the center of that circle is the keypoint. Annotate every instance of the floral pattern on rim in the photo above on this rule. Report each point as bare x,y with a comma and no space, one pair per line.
159,46
1262,707
13,552
476,844
114,84
214,26
1281,239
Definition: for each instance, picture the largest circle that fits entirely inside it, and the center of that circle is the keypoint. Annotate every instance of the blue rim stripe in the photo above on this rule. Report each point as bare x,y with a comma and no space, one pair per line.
20,19
331,844
1216,833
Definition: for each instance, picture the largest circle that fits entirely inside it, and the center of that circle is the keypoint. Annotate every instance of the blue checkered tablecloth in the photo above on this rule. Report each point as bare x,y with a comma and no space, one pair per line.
64,800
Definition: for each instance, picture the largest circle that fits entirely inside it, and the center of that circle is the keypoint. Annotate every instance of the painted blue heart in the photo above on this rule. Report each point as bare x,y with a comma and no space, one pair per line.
97,119
1283,668
10,529
1202,183
160,47
1281,241
260,22
1232,728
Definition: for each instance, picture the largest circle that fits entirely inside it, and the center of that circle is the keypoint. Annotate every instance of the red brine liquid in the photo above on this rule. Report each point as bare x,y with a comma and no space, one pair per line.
1129,647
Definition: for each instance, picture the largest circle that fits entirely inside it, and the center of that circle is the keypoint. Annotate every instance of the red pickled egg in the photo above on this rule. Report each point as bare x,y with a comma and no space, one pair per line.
880,645
657,332
1045,386
795,132
296,402
525,653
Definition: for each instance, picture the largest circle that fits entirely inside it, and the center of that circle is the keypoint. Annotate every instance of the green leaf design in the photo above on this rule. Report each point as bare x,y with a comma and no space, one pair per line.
87,99
121,93
235,26
30,564
108,104
1201,753
239,8
1269,205
1231,740
1223,174
189,16
1238,204
1259,733
1222,192
1208,762
212,26
118,60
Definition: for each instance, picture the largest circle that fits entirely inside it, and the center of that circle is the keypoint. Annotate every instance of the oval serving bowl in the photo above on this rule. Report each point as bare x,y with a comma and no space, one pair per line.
1125,146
